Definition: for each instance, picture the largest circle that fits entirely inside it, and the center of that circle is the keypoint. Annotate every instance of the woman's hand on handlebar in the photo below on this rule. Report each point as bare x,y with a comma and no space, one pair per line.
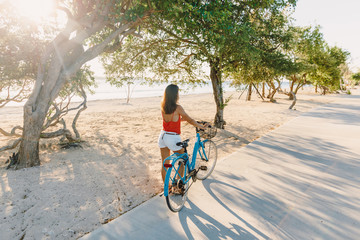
202,125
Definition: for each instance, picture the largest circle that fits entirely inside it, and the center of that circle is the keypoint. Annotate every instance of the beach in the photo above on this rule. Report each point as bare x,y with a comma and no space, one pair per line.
76,190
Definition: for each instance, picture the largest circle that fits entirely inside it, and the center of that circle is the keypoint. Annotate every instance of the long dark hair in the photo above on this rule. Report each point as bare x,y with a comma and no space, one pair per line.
171,96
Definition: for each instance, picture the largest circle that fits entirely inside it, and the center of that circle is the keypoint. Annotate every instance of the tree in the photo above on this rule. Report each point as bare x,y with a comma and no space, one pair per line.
21,45
273,62
304,44
327,73
222,34
270,68
315,61
346,74
77,85
356,78
225,34
92,27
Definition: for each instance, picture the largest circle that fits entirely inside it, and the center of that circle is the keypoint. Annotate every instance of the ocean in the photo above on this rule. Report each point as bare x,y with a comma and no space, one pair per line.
105,91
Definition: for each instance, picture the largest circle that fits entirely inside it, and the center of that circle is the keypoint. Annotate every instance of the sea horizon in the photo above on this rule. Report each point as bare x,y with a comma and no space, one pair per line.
105,91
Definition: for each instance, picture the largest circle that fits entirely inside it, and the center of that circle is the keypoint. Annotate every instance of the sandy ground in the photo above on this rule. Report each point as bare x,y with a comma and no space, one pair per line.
76,190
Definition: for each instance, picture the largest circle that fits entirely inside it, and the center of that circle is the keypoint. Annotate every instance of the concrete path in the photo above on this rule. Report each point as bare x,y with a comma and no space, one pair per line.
301,181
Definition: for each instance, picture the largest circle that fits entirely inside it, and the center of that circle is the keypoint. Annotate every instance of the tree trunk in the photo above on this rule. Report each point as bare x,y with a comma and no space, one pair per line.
294,80
294,100
257,90
273,91
249,92
35,111
263,89
324,90
29,146
215,76
301,83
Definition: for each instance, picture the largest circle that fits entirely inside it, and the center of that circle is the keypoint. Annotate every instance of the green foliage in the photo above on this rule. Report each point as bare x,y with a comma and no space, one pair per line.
82,81
226,102
304,45
328,72
270,60
314,58
120,13
149,60
356,78
137,10
211,29
183,35
21,45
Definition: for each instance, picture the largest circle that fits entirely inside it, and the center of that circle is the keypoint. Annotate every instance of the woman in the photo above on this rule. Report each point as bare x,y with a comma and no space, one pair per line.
172,115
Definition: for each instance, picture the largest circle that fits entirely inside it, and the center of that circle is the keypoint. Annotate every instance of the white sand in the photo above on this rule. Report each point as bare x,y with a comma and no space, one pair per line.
74,191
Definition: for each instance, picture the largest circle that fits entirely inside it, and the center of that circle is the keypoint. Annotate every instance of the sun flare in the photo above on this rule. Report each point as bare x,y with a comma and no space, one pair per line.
34,10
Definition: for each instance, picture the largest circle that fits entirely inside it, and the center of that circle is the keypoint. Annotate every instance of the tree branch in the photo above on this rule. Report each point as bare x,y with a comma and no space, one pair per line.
12,133
79,112
97,49
60,132
15,98
186,59
12,146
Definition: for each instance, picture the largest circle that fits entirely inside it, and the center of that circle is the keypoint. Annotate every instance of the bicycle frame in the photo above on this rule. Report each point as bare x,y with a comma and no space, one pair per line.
188,166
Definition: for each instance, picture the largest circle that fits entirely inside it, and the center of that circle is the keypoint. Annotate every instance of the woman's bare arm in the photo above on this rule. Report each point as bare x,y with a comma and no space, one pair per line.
186,117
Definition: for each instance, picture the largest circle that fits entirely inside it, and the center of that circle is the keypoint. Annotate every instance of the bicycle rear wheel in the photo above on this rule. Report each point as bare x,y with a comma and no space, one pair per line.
206,160
177,189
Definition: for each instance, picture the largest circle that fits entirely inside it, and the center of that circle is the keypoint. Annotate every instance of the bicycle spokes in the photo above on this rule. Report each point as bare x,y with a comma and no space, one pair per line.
175,181
206,160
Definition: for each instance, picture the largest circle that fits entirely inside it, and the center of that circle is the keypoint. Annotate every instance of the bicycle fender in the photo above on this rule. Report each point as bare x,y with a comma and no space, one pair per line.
166,183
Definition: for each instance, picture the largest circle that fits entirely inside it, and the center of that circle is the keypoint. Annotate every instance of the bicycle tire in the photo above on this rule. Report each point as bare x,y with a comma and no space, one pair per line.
209,160
175,200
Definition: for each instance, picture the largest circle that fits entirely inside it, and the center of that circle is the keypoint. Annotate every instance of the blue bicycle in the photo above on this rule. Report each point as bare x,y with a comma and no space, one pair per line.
181,170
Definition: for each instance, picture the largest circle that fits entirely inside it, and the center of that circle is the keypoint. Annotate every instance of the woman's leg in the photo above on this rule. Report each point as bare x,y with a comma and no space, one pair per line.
165,152
181,151
182,167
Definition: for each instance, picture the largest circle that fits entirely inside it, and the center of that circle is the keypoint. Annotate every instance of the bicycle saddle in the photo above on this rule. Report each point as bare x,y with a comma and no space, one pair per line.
183,144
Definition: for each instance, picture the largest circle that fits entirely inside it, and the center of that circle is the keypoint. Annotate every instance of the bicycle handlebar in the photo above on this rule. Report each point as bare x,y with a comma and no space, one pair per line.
203,123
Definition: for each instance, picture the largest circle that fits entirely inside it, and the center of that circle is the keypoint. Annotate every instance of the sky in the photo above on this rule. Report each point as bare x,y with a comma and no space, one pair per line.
339,21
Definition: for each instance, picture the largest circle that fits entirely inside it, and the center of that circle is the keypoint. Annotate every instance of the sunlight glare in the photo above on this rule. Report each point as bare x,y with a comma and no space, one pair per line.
34,10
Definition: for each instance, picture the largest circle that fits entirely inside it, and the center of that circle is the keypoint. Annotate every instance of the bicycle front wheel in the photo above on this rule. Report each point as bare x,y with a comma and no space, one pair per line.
177,189
206,160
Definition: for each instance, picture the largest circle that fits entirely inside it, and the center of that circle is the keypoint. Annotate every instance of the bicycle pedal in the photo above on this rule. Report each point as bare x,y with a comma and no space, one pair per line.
203,168
192,173
177,191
